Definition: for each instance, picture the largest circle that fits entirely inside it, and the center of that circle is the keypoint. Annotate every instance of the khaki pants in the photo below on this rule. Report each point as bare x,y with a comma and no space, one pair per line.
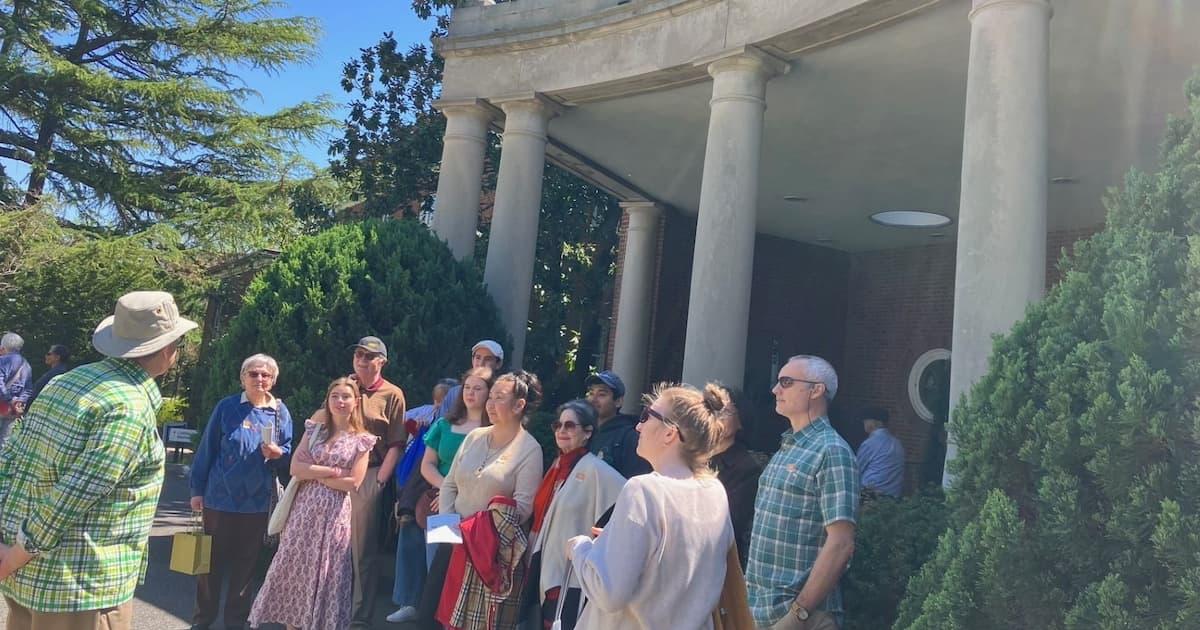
364,543
115,618
821,620
817,620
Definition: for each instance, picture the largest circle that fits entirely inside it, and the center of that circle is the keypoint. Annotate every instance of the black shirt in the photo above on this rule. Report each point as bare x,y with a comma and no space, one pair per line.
615,442
738,471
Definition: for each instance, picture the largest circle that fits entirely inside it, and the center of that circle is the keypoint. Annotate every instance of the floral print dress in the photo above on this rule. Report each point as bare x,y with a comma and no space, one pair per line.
309,584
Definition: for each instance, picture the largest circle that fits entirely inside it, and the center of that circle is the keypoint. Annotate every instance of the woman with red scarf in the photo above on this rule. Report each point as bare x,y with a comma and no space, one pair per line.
578,489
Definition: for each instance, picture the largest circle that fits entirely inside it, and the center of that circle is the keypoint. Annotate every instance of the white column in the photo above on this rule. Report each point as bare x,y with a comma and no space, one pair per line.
631,346
456,207
508,271
719,304
1001,261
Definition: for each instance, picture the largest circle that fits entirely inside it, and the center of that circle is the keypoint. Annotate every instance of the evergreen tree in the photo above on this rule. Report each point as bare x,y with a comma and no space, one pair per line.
132,112
1076,501
391,279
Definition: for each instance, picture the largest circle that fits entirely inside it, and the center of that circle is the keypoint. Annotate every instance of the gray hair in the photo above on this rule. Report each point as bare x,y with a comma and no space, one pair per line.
257,360
12,342
584,412
820,371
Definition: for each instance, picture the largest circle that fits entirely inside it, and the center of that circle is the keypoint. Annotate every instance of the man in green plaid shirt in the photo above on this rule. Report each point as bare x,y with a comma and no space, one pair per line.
80,478
804,514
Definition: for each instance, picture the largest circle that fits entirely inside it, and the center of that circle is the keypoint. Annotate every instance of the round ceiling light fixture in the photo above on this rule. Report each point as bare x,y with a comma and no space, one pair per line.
911,219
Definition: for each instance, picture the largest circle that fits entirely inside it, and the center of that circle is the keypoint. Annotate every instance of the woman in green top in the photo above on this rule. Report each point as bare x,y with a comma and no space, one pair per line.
467,413
442,440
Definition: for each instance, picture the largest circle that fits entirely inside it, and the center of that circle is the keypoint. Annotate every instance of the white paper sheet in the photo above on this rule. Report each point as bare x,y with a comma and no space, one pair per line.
443,528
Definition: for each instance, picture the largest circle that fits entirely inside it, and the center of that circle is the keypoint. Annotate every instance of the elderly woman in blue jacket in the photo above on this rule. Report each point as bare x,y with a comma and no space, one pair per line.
232,483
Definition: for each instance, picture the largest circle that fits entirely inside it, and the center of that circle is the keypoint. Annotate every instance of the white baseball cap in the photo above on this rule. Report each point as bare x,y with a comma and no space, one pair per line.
491,346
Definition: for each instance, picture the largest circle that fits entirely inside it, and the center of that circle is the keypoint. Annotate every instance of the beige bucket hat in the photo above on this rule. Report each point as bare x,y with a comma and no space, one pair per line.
143,323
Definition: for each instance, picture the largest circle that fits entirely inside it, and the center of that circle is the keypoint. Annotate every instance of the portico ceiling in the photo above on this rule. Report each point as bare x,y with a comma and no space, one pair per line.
874,122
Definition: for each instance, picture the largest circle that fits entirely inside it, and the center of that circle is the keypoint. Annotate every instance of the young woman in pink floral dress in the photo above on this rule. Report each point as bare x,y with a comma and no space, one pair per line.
310,580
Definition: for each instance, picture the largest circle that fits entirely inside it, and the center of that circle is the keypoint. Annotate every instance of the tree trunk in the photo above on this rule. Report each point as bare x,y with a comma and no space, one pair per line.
43,150
11,37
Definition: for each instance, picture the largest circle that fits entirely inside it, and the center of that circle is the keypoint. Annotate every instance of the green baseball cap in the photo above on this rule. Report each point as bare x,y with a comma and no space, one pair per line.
371,344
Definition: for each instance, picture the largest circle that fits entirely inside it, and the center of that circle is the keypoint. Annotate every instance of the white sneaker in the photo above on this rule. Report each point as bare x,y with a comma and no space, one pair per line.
407,613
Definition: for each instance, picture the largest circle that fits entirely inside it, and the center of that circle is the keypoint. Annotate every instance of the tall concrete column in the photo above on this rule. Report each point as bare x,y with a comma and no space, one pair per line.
456,208
508,271
631,346
719,304
1001,261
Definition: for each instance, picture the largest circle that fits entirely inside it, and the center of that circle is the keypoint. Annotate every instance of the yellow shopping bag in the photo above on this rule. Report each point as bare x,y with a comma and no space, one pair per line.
191,551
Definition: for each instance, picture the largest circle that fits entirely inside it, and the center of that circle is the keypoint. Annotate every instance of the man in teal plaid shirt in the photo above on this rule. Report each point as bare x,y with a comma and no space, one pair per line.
804,514
80,479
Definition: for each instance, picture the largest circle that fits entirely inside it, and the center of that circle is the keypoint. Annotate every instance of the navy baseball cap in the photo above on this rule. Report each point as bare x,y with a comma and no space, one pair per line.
610,380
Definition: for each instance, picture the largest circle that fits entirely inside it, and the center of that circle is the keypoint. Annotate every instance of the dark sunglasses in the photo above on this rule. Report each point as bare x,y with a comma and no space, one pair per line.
569,425
785,382
648,413
259,374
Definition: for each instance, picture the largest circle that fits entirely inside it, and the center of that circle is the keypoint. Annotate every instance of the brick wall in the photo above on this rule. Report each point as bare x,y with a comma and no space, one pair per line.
901,304
876,314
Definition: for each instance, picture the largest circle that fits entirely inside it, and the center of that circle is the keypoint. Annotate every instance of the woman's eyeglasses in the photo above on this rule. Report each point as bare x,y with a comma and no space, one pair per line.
648,413
569,425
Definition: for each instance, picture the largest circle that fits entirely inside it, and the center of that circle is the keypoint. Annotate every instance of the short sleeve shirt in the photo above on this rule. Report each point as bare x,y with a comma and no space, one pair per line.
809,484
81,476
442,438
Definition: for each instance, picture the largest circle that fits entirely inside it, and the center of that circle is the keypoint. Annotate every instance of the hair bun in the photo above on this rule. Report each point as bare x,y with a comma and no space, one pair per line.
716,398
533,397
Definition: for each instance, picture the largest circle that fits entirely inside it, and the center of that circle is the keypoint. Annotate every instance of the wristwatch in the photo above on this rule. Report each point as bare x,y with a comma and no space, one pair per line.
23,542
798,610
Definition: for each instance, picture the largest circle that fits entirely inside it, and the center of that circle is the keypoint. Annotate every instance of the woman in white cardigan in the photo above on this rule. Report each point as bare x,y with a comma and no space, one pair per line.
660,561
577,490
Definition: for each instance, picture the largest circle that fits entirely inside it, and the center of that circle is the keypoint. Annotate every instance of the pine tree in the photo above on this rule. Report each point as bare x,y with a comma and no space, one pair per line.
131,110
1076,502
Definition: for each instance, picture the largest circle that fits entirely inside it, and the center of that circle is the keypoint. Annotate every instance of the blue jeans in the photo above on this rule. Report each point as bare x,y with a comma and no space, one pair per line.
410,565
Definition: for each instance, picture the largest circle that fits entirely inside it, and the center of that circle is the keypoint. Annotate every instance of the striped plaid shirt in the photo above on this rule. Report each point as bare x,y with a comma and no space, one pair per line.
81,475
811,483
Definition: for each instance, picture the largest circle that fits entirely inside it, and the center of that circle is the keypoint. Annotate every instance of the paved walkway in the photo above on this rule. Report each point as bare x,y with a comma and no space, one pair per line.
165,601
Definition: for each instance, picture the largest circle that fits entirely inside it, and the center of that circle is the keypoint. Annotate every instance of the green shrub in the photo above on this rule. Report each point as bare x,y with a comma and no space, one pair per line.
894,538
172,410
57,284
1076,501
392,279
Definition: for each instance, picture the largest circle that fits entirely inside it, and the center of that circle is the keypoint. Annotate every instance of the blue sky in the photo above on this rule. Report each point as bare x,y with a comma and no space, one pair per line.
347,26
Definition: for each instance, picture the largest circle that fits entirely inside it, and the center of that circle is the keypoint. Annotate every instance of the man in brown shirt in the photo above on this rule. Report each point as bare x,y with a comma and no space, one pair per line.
383,411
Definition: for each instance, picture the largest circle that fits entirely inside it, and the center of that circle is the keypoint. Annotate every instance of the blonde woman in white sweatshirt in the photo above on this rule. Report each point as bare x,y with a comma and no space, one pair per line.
660,561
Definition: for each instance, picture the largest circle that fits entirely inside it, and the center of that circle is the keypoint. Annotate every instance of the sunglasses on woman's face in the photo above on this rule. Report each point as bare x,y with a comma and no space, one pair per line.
648,413
569,425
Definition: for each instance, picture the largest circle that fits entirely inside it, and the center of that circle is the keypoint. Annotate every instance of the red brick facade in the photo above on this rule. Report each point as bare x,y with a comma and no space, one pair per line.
871,314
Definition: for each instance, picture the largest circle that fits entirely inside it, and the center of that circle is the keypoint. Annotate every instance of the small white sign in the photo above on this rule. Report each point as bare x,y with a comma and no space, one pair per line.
180,435
443,528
